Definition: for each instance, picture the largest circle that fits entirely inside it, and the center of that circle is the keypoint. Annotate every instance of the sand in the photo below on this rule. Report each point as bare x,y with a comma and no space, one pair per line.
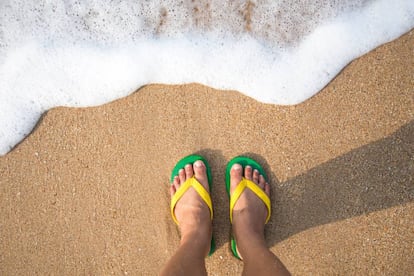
87,191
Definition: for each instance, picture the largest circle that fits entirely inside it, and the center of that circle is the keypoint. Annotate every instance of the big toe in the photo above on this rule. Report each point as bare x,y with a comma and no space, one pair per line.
200,172
236,175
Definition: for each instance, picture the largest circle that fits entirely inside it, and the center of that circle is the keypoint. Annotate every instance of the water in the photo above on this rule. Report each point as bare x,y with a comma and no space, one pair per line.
86,53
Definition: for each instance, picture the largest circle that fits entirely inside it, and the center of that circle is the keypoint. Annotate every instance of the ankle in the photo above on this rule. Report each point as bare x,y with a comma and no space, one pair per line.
250,246
198,240
245,223
200,232
195,226
249,238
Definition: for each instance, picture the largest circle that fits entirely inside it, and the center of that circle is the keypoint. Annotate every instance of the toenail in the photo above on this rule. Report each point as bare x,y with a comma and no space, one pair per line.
237,167
198,164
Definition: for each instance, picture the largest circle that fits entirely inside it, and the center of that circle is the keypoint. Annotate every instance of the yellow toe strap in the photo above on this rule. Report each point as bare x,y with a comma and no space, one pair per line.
191,182
244,183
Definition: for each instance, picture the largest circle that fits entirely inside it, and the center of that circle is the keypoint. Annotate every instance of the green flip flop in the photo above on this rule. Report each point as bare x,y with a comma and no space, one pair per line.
244,183
192,182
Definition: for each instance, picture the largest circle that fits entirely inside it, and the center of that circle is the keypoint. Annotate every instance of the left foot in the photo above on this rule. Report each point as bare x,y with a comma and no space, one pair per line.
191,211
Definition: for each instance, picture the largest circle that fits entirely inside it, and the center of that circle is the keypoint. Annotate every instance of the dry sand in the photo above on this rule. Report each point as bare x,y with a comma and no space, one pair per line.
86,192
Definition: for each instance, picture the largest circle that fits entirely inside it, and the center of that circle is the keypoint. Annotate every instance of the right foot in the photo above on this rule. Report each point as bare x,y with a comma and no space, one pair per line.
249,212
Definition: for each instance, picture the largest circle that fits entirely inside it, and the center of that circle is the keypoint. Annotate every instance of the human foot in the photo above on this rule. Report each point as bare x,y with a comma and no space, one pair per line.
249,212
191,211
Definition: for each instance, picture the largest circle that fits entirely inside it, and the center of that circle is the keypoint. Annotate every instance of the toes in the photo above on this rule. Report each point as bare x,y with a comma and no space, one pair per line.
199,167
172,190
256,176
176,183
261,182
267,189
181,175
236,174
248,172
200,173
188,171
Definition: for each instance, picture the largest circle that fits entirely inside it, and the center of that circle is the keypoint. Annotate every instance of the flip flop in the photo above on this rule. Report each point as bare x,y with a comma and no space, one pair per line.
192,182
244,183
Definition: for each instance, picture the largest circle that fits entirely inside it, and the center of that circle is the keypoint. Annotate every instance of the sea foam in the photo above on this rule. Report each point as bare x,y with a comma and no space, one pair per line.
86,53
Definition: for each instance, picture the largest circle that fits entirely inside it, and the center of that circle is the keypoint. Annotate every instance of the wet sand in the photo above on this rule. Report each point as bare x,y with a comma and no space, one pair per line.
87,191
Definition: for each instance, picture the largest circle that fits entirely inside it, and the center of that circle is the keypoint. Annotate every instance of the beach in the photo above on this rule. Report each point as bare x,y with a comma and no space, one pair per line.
87,191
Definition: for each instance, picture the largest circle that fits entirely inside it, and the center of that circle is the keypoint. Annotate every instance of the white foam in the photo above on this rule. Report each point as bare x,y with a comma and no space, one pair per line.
70,54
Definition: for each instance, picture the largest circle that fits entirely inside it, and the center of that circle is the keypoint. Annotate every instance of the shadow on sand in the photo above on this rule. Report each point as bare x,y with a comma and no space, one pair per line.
374,177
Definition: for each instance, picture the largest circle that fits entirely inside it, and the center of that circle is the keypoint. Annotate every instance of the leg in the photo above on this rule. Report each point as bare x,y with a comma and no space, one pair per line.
249,215
195,226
